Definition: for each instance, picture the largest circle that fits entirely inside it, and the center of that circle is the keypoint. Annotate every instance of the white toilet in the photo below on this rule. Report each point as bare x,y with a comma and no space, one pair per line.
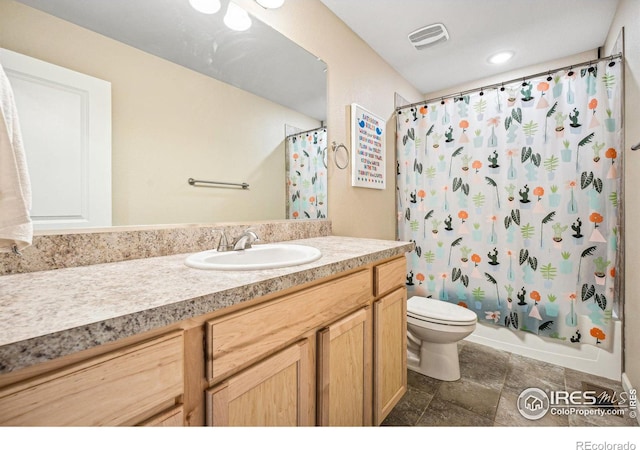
434,328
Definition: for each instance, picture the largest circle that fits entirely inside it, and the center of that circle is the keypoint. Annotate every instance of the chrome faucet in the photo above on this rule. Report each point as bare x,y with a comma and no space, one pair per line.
245,240
223,245
242,242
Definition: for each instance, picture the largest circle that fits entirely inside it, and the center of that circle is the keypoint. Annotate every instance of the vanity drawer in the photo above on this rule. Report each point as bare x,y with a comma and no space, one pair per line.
118,388
389,275
237,340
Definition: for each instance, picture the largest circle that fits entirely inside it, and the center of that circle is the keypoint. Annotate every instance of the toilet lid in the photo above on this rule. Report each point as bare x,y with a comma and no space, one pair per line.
440,310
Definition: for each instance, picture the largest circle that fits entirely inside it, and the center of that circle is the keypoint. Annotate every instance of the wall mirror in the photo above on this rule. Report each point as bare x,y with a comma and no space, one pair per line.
191,98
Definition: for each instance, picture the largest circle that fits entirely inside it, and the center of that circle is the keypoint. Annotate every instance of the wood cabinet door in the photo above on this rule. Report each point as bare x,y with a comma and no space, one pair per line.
390,352
344,371
274,392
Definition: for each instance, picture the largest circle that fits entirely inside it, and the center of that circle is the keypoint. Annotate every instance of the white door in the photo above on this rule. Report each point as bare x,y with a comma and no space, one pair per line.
65,118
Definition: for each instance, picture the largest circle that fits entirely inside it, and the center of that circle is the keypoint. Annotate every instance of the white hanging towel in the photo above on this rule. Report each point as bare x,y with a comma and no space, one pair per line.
16,229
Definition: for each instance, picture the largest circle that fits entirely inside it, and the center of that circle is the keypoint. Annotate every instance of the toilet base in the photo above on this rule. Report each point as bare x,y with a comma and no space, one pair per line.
439,361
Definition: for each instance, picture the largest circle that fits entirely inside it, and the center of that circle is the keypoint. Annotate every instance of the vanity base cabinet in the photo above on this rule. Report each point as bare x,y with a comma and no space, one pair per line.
274,392
330,353
355,326
254,384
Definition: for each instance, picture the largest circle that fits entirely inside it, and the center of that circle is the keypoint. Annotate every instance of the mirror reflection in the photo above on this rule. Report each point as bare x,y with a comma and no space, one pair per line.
306,168
190,98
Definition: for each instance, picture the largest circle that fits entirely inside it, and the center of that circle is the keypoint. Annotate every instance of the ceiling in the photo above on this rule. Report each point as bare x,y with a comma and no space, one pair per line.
536,30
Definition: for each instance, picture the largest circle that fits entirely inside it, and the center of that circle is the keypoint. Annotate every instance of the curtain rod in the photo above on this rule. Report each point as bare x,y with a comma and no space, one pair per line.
501,84
306,131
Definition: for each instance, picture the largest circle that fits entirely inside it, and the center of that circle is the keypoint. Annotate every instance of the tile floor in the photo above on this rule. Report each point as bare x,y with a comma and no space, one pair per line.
491,381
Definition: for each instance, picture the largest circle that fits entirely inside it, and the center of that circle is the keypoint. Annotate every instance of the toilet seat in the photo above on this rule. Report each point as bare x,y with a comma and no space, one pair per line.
439,312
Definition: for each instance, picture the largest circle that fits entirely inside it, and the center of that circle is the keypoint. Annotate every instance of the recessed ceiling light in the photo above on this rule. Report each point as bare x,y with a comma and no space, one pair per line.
501,58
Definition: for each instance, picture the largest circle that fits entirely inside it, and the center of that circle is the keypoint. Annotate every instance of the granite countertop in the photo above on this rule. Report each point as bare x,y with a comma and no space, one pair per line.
53,313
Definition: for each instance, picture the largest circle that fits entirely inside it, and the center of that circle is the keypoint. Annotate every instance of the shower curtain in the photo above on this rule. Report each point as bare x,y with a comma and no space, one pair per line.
306,174
512,196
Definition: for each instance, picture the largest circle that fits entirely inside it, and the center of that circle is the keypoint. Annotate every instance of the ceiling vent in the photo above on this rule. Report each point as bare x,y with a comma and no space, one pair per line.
429,36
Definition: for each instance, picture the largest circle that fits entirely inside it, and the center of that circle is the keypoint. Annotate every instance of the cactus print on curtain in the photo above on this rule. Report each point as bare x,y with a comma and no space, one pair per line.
511,196
306,174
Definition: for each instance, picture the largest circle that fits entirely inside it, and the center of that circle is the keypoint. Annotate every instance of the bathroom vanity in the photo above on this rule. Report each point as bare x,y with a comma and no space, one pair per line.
153,342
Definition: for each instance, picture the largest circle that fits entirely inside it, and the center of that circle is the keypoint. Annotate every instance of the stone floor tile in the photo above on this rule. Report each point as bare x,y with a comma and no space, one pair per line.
486,395
471,396
526,373
409,408
422,382
443,414
484,365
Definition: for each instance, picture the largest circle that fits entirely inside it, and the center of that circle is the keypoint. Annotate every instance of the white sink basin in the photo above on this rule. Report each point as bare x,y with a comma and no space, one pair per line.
264,256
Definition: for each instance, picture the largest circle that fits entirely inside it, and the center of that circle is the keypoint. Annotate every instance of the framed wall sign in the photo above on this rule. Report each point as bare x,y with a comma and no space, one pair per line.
367,149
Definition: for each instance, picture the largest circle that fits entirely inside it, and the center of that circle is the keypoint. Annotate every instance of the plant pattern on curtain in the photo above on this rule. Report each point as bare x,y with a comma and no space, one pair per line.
306,175
511,196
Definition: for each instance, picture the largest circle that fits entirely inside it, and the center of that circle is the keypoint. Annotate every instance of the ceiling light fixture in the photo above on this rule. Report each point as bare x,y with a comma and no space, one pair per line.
270,4
501,58
237,18
205,6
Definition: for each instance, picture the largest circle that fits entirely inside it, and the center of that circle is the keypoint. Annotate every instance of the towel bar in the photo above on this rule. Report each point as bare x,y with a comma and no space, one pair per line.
193,182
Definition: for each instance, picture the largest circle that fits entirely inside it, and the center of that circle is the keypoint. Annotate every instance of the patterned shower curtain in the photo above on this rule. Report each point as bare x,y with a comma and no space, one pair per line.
306,174
512,196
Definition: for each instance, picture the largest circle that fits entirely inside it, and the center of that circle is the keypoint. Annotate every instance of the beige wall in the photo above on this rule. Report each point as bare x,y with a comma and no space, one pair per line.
356,74
628,16
169,124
